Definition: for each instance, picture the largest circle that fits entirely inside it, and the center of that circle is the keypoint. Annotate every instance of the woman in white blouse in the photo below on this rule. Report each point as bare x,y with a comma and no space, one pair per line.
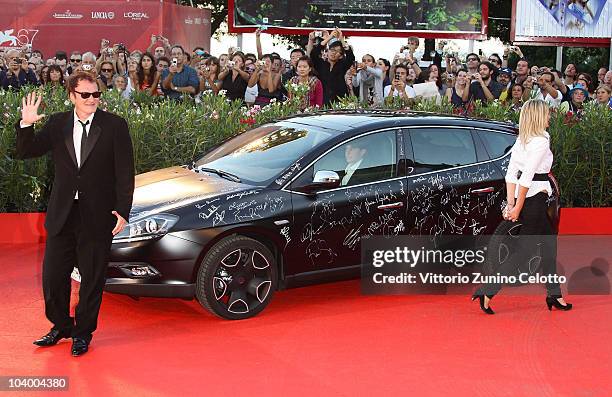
528,190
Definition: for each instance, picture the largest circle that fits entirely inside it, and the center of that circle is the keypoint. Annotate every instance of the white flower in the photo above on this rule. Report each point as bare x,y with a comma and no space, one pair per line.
222,92
273,100
66,102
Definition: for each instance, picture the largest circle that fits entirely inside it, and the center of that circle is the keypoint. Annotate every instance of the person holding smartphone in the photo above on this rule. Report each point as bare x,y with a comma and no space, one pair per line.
179,78
528,190
399,85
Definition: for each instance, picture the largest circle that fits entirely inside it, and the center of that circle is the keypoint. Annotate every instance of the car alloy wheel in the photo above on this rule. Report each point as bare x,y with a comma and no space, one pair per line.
237,278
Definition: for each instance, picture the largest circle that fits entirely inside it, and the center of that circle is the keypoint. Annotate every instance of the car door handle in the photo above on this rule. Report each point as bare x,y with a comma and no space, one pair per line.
391,206
489,189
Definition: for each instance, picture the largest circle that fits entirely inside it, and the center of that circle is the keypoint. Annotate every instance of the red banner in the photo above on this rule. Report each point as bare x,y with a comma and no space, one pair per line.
80,25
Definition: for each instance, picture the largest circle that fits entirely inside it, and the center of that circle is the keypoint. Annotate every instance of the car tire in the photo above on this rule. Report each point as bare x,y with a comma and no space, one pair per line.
237,278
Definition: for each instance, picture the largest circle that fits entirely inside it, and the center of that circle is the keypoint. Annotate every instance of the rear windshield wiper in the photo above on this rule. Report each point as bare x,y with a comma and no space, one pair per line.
221,173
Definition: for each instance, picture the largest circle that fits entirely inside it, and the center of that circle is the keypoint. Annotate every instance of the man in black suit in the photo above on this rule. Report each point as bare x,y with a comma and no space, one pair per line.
90,202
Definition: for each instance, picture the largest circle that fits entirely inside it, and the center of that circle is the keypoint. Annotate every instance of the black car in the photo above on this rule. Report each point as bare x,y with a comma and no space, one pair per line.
287,204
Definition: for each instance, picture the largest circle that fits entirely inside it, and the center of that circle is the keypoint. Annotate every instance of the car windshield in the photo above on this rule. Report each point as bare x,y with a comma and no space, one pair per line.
260,155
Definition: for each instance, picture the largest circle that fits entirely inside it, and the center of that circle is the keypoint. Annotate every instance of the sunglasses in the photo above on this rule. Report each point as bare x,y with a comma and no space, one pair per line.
472,59
86,95
75,60
493,60
107,70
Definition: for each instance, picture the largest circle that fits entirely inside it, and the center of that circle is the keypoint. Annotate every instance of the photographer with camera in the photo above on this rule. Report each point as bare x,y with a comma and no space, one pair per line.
406,57
208,72
331,72
18,74
159,47
107,71
179,79
511,49
234,78
454,94
545,89
483,88
369,80
266,79
399,86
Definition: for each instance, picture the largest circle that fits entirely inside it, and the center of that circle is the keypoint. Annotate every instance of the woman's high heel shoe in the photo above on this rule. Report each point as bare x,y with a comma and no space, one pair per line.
552,301
481,297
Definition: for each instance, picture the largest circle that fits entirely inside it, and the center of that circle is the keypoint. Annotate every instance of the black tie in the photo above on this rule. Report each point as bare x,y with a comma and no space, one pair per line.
83,141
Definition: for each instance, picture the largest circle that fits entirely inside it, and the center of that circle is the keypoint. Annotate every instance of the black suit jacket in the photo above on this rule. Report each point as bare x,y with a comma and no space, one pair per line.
105,180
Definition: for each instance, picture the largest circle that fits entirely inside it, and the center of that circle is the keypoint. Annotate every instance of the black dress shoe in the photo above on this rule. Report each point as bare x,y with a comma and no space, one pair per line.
79,346
553,301
51,338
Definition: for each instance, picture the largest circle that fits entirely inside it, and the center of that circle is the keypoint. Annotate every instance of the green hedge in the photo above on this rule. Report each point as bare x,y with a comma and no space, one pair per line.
167,133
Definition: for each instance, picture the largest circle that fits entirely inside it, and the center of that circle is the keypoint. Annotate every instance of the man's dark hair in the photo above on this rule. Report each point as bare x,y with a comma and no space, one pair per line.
37,52
74,79
165,59
177,46
251,56
524,60
552,76
198,48
489,66
470,54
402,66
297,50
497,57
61,55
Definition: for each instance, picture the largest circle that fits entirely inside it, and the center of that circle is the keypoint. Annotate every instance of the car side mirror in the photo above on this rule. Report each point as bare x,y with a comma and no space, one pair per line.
322,180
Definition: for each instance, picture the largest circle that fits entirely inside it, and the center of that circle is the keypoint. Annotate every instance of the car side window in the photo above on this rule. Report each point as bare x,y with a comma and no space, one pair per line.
366,159
496,143
439,148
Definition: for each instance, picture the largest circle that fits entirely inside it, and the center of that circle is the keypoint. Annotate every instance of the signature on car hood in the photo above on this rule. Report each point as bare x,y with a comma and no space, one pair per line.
174,187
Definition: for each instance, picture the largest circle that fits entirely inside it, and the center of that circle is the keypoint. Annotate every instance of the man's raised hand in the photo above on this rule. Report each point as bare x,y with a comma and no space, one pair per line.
29,108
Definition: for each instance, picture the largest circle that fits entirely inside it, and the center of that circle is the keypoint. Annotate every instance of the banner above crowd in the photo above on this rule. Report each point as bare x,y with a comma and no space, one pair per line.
80,25
569,22
433,18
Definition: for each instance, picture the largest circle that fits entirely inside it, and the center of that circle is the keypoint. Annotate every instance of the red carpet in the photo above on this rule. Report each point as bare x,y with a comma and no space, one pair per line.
323,340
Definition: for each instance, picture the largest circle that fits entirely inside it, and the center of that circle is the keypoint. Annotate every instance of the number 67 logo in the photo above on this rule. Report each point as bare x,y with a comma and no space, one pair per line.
23,37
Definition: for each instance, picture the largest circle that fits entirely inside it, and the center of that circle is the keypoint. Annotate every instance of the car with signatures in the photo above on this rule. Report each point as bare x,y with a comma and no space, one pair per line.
288,204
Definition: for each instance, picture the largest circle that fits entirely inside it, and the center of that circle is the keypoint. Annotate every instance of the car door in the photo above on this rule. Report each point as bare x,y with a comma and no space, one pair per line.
498,145
451,182
329,225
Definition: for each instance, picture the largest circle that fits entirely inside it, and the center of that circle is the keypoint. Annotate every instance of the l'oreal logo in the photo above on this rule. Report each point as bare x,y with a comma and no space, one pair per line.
135,16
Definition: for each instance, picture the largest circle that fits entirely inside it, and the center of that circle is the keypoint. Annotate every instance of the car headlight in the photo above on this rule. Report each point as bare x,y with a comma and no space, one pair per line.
146,228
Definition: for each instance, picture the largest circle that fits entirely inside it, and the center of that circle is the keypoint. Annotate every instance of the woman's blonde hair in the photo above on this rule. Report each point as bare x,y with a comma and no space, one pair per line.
533,119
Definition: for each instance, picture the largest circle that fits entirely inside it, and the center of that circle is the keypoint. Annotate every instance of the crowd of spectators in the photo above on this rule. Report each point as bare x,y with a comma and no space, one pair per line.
327,68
